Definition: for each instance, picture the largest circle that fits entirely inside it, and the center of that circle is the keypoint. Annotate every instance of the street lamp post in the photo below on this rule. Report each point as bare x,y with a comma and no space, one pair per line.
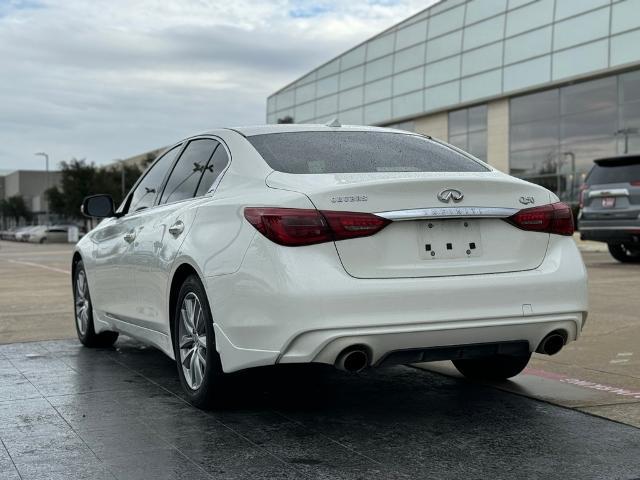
572,157
626,132
46,157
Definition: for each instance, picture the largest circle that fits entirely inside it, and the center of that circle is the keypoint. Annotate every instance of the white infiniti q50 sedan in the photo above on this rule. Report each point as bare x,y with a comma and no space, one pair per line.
352,246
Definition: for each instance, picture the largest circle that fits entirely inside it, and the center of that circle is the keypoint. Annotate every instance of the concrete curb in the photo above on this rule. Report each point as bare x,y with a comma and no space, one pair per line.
589,246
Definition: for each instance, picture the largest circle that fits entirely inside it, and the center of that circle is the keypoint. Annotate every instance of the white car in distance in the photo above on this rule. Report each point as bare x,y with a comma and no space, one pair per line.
352,246
49,234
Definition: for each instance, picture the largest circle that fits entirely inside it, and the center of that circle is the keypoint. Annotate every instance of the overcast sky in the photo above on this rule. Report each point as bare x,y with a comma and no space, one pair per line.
107,79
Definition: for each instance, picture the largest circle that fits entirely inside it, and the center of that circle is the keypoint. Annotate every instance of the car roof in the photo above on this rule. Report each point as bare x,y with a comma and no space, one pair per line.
250,131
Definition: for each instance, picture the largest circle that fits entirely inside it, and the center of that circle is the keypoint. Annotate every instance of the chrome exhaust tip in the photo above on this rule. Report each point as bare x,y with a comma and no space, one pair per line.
551,344
353,360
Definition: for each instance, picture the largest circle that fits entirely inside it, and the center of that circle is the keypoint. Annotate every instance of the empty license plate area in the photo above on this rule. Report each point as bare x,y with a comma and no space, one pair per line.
449,239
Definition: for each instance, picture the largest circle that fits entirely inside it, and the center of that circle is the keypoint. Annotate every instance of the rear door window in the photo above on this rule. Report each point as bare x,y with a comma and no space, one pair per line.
359,152
212,171
615,171
186,174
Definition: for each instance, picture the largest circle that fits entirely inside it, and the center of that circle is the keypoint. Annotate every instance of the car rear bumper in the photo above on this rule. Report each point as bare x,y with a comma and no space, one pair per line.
597,232
324,346
287,305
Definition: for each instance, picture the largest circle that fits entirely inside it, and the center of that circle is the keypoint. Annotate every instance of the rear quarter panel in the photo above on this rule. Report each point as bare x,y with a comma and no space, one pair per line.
220,235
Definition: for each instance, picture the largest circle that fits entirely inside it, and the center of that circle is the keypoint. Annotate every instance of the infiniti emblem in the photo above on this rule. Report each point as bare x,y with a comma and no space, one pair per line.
449,194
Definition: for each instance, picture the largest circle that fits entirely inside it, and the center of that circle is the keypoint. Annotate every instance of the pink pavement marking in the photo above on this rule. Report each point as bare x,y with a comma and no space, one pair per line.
583,383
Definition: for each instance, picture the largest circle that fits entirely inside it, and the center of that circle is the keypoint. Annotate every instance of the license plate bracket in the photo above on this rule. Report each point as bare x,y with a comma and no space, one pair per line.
449,239
608,202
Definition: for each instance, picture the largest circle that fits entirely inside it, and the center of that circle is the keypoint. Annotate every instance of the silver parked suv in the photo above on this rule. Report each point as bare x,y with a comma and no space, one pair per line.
610,206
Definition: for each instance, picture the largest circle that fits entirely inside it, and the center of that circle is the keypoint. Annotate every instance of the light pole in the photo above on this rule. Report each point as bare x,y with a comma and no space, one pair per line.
626,132
46,157
572,156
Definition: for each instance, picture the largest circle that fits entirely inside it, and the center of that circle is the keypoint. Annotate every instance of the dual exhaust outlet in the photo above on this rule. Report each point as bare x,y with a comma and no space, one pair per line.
353,359
356,358
552,343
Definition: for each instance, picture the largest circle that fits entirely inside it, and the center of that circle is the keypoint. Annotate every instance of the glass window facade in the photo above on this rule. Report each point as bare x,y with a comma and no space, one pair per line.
556,134
465,51
468,130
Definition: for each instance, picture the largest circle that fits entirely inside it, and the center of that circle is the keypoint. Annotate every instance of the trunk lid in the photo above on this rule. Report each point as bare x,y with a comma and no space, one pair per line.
454,241
613,201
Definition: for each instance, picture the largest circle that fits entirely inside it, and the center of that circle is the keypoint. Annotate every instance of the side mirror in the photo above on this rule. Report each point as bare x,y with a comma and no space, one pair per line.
98,206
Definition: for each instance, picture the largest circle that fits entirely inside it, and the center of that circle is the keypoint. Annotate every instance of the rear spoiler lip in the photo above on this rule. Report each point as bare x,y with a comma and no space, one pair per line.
618,161
448,212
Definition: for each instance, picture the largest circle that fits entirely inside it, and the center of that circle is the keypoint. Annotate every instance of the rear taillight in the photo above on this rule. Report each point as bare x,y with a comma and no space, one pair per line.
635,183
583,187
354,224
289,226
555,218
295,227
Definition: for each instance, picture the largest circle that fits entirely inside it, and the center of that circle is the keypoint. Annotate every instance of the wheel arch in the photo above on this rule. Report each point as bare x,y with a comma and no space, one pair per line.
77,258
183,270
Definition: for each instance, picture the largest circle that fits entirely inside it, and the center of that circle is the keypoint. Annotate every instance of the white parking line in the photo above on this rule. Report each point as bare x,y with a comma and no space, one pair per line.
35,253
46,267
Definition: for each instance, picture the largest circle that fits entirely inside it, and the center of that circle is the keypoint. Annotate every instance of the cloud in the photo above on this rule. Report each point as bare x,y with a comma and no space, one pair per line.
110,79
308,9
8,6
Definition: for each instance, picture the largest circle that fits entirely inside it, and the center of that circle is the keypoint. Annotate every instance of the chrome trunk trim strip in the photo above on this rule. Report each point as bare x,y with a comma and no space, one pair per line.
448,212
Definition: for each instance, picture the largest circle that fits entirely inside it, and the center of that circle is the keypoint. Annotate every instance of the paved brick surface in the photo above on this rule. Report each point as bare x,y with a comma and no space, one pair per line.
67,412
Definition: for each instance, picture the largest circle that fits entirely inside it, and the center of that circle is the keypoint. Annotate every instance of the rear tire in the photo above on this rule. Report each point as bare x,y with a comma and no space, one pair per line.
498,367
623,253
83,311
199,365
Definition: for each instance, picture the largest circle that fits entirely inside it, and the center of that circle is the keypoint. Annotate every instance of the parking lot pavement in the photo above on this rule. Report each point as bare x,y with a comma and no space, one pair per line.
68,412
35,292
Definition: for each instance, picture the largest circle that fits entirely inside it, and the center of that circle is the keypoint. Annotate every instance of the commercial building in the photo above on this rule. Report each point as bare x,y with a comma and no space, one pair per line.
538,88
30,185
141,160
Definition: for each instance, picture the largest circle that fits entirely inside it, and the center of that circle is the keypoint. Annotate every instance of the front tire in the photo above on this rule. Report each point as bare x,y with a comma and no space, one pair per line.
623,253
83,310
497,367
198,361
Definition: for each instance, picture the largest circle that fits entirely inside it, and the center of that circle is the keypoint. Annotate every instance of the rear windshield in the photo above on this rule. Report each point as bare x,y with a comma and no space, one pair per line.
359,152
616,171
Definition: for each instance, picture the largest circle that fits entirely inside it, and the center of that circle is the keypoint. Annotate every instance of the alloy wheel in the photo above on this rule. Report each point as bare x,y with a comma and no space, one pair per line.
193,341
631,251
83,303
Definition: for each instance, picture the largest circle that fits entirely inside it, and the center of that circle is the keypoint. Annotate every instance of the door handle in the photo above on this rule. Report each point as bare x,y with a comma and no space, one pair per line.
177,228
130,236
